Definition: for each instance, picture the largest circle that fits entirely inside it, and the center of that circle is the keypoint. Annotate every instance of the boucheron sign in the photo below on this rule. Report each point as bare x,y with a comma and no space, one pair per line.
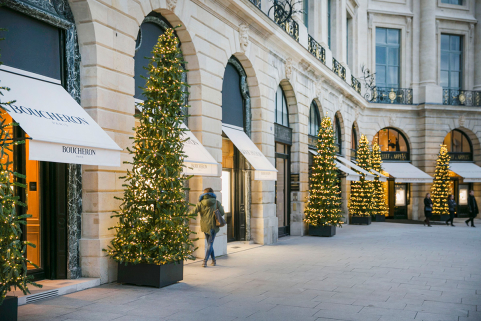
60,129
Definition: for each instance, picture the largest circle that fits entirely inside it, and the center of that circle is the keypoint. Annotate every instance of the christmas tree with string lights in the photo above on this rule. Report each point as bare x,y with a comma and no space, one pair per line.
153,217
324,203
13,260
361,198
440,187
379,206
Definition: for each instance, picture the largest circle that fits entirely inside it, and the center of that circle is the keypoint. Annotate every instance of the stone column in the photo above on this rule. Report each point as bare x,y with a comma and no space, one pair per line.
477,48
429,91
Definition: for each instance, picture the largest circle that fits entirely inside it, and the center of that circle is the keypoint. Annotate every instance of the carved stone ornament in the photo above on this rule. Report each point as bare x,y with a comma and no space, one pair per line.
171,4
408,24
341,100
462,120
391,120
319,88
356,115
289,68
244,36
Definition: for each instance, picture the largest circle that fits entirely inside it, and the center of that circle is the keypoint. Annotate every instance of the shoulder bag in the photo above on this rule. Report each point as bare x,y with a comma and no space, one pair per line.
219,220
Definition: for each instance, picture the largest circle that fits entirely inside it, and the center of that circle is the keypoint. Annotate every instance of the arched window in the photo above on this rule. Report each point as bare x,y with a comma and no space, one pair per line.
393,144
338,135
282,115
459,146
233,111
314,120
353,140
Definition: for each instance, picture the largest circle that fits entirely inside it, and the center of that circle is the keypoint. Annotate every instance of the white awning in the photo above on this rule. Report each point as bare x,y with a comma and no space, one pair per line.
382,178
406,173
350,174
60,129
368,176
264,170
471,173
198,160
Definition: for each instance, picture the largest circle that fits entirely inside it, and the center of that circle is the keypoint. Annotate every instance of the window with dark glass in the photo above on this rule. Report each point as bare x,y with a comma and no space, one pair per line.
348,38
458,145
391,140
338,135
306,13
282,116
451,61
353,141
329,29
458,2
314,120
387,57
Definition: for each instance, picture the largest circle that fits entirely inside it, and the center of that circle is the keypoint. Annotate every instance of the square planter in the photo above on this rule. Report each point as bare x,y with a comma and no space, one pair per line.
380,218
9,308
361,220
445,217
435,218
150,274
325,230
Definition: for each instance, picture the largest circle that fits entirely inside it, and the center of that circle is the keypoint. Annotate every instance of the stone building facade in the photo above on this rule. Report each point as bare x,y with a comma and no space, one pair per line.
321,55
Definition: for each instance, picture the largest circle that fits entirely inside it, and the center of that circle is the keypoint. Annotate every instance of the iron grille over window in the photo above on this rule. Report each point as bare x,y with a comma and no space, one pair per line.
290,26
317,50
338,69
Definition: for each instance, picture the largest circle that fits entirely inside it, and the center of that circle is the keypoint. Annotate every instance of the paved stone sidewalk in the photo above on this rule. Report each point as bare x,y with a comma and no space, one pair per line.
381,272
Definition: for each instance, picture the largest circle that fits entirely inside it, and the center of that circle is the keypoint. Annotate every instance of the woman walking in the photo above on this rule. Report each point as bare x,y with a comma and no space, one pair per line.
473,208
206,207
452,205
428,209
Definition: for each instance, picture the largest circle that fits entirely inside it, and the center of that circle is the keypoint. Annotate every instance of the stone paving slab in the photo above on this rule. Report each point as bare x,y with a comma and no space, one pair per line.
380,272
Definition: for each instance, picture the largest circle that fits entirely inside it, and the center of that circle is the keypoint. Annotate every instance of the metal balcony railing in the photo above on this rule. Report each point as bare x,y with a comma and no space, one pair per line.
317,50
257,3
389,95
338,69
356,84
457,97
290,26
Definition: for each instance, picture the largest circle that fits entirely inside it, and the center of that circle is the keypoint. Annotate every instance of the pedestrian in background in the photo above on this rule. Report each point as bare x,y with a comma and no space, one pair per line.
428,209
472,207
452,206
207,205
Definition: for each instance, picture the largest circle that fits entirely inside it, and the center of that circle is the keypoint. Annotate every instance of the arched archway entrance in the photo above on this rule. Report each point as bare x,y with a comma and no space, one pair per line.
313,131
460,150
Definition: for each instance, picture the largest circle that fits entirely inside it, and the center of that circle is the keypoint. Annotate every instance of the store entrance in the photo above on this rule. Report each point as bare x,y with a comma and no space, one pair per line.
460,191
283,166
45,200
398,199
233,191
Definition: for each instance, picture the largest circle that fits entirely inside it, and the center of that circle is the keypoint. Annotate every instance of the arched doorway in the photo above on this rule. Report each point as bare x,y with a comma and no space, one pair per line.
313,130
338,135
235,168
460,150
394,148
283,141
41,45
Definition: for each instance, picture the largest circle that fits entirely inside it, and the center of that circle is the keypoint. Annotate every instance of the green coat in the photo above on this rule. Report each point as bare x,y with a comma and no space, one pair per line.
206,208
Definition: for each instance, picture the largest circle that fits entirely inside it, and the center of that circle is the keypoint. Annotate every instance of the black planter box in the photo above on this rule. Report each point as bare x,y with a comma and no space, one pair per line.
361,220
9,308
151,274
325,230
380,218
445,217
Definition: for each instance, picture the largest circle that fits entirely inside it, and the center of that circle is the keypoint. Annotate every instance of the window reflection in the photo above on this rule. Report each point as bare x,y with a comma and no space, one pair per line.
391,140
457,142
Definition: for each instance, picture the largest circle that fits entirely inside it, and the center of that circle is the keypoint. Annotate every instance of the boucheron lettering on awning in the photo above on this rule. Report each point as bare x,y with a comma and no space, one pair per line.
198,160
264,170
60,129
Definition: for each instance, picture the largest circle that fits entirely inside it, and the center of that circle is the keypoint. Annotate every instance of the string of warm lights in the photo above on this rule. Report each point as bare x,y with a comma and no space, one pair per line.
379,206
440,187
361,198
153,217
324,201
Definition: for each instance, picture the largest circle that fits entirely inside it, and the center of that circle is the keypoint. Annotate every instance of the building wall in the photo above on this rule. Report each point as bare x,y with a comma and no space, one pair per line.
214,30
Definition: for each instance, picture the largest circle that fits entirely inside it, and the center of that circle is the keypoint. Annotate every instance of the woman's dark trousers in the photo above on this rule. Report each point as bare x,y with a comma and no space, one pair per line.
451,218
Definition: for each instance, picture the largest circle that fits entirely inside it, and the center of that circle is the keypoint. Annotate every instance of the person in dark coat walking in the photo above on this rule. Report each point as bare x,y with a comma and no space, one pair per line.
452,206
428,209
207,205
473,208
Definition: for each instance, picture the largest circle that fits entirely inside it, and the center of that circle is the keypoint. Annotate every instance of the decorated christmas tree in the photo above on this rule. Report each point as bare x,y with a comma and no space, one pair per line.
379,206
153,218
13,261
440,188
360,201
324,203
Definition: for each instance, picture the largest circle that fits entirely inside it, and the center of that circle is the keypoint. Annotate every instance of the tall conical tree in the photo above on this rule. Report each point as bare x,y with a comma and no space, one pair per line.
360,201
324,203
440,188
153,218
13,261
379,206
